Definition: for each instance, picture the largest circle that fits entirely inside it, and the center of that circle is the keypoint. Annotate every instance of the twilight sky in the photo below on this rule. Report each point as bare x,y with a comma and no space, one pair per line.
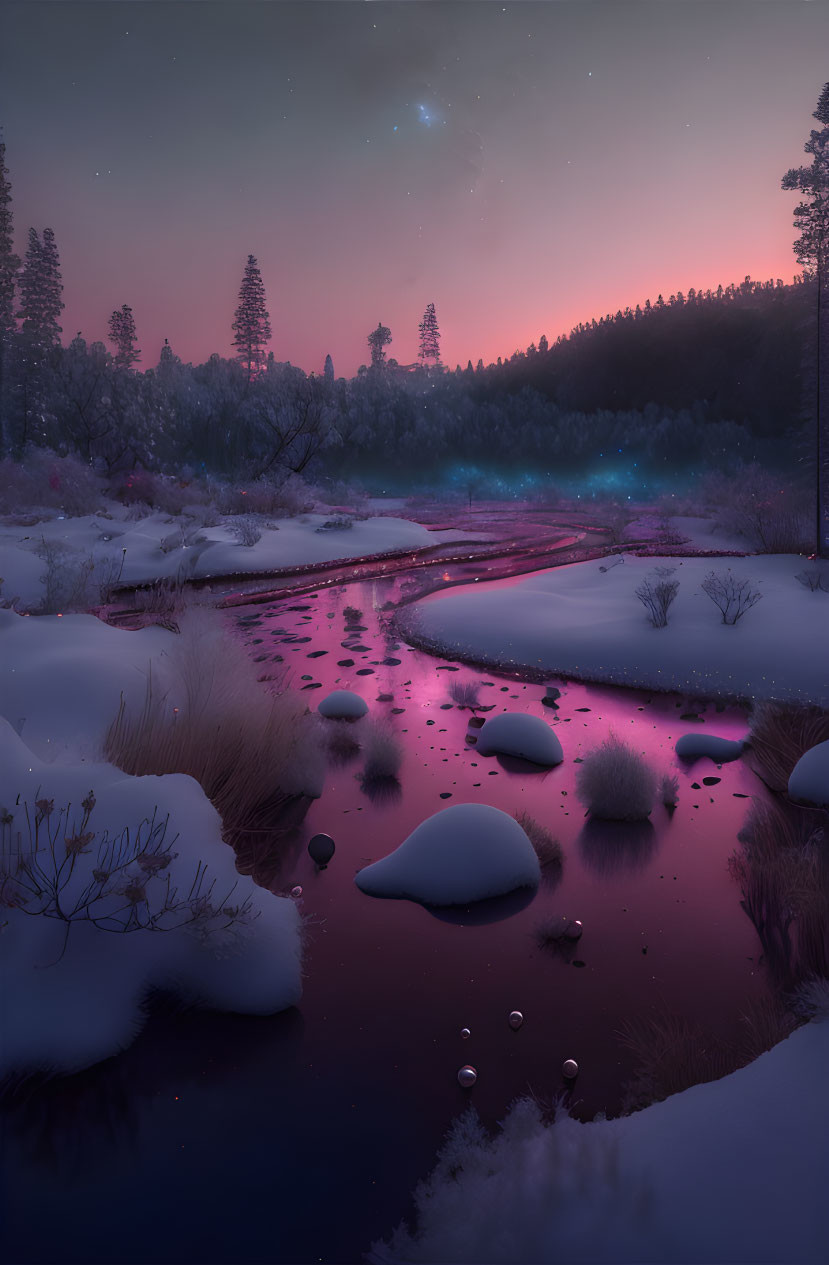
523,166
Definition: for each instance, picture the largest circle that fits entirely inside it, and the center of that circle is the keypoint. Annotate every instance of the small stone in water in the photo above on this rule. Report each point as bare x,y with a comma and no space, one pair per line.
515,1020
573,930
467,1076
465,1034
321,850
570,1070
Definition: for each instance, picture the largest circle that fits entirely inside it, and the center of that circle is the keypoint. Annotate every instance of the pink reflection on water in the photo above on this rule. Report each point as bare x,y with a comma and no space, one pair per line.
662,921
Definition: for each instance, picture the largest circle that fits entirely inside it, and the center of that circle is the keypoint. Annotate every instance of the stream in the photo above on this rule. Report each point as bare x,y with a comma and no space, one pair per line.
300,1137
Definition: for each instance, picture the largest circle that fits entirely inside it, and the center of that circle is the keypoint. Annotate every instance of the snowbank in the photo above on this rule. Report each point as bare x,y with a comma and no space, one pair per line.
462,854
588,624
809,780
721,750
729,1171
61,677
515,734
68,1001
190,550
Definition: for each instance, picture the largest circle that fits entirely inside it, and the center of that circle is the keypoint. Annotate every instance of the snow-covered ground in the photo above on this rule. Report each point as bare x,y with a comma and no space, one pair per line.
74,974
730,1171
588,624
162,546
61,680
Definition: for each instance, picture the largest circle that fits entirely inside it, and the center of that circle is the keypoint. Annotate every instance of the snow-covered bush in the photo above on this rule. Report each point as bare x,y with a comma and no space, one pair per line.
279,497
752,503
615,782
44,480
731,596
656,593
74,581
247,530
250,749
547,847
342,522
383,752
184,536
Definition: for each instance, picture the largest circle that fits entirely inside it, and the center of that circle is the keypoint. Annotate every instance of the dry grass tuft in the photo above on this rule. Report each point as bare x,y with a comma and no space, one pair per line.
780,733
383,751
251,750
547,847
616,783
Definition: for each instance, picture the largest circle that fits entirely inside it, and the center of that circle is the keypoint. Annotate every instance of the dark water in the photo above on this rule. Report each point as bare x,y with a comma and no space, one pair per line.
299,1138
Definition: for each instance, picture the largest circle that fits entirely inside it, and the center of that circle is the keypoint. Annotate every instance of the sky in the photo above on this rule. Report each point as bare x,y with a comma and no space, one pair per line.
521,166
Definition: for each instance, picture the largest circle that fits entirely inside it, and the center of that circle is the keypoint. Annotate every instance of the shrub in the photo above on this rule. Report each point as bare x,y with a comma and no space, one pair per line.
731,596
547,847
814,578
656,593
752,503
668,790
247,530
343,522
185,535
465,694
73,581
616,782
279,498
251,750
384,753
46,481
123,887
342,739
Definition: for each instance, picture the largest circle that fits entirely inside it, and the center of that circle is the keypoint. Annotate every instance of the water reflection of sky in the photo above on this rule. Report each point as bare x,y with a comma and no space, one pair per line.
299,1137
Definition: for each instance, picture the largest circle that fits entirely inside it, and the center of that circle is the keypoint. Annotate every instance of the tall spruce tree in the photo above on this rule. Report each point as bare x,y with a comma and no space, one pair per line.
122,334
429,337
811,219
252,324
9,267
40,288
328,371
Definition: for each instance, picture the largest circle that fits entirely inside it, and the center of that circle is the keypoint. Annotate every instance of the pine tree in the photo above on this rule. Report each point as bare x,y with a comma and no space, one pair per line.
122,334
328,371
9,267
378,339
811,219
429,337
252,324
9,261
543,345
167,357
40,289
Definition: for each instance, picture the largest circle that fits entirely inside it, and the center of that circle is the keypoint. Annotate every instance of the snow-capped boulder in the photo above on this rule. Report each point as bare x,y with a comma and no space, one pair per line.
721,750
527,736
343,705
462,854
809,781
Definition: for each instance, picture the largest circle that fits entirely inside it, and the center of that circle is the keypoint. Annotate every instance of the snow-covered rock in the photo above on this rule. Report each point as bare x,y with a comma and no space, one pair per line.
515,734
809,781
343,705
68,1001
721,750
462,854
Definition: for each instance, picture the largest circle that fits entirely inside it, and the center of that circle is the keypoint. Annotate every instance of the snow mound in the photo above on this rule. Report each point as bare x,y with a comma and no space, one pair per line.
69,1000
343,705
809,779
462,854
526,736
721,750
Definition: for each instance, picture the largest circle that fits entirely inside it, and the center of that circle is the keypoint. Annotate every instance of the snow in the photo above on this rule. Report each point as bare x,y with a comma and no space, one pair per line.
580,622
809,780
343,705
462,854
290,542
515,734
65,1011
62,677
693,746
734,1170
